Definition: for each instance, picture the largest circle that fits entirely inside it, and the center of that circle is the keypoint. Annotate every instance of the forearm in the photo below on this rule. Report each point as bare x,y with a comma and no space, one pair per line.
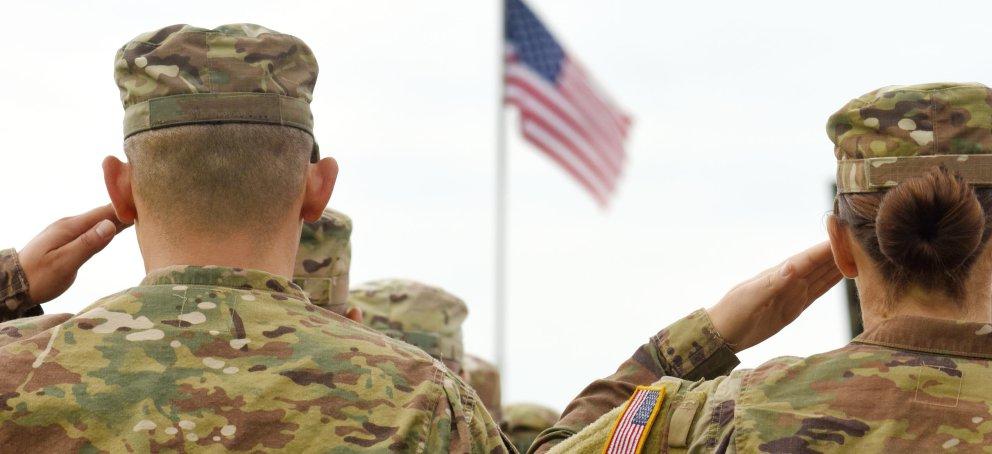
14,301
689,349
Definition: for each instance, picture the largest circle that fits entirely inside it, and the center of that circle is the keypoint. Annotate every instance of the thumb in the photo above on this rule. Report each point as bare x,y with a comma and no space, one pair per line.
79,250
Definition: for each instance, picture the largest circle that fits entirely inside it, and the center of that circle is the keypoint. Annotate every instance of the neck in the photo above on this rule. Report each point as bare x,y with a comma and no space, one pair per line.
161,248
972,307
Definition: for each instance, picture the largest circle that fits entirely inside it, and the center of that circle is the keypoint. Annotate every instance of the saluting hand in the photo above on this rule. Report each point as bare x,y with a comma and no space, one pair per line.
50,260
756,309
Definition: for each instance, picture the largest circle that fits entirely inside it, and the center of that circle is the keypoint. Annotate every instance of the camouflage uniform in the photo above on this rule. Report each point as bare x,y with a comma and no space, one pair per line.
215,358
324,260
422,315
907,384
483,376
13,288
522,423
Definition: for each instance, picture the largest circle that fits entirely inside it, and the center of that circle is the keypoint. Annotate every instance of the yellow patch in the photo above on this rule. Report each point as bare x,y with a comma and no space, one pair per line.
634,422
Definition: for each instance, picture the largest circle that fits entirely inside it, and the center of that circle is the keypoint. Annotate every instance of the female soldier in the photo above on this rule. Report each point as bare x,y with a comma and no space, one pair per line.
910,225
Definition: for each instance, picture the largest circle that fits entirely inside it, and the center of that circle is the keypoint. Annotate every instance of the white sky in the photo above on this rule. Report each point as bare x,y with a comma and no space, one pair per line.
728,172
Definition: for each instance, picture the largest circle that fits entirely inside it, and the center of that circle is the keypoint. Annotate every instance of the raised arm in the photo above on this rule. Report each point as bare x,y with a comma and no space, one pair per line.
702,345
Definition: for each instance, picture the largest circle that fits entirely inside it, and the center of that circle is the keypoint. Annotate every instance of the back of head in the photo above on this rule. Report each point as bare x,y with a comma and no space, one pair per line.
913,180
217,124
219,179
425,316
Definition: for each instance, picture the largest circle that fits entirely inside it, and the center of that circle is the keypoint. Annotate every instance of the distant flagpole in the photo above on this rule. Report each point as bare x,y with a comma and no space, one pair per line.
501,196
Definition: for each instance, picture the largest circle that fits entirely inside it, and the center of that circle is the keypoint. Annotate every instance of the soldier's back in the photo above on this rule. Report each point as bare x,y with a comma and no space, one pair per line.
224,359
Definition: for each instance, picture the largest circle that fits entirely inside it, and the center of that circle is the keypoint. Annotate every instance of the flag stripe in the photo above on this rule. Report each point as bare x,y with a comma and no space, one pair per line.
531,108
524,78
600,117
608,182
585,85
557,152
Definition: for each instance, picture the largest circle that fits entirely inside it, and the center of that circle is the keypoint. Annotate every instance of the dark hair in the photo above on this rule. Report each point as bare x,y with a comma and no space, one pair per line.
926,231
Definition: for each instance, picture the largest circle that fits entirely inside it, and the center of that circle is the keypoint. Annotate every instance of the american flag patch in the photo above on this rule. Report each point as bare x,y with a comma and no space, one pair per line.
634,422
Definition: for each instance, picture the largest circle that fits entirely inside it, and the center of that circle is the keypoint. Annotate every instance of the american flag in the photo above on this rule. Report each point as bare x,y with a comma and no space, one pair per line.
562,110
636,418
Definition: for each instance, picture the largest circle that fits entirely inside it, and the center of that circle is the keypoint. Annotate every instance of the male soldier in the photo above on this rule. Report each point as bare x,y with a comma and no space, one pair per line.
421,315
216,348
522,423
324,261
483,376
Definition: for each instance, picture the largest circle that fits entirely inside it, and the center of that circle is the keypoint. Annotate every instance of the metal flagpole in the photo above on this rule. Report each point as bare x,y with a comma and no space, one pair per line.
501,197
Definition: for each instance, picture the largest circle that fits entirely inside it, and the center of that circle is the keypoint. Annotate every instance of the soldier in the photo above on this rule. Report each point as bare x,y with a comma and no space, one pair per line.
324,261
911,225
523,422
216,348
483,376
421,315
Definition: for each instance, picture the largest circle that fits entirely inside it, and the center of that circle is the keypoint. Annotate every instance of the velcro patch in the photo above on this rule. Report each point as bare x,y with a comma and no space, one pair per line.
634,422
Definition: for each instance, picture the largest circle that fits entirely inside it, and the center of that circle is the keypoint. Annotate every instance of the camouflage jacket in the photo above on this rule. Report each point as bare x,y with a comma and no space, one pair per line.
14,301
221,359
907,384
690,348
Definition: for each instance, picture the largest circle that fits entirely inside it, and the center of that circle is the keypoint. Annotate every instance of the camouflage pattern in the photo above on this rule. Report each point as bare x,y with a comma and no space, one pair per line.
13,287
880,138
241,73
909,384
522,423
422,315
690,348
223,359
483,376
324,260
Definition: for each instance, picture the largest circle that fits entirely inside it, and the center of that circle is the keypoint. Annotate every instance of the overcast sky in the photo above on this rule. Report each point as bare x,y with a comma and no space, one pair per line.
728,172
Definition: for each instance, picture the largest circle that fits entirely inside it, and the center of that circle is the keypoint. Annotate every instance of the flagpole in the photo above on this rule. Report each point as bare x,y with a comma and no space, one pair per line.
501,196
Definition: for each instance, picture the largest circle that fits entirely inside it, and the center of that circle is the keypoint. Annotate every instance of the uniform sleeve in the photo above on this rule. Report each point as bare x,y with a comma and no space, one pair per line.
694,417
689,349
14,289
462,423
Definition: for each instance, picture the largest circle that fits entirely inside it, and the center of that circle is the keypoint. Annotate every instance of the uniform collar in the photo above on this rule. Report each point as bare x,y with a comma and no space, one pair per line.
932,335
224,277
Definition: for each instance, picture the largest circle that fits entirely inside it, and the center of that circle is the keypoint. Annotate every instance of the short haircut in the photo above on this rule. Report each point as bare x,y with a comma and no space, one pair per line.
219,179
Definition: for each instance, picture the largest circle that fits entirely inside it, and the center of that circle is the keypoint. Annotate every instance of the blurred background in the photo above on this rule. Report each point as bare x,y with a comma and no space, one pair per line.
729,168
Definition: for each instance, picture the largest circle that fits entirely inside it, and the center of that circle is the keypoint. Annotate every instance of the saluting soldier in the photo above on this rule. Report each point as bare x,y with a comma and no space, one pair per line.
911,225
216,349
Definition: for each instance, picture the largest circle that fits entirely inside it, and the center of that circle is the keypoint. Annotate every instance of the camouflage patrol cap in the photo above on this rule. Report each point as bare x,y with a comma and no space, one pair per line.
483,376
236,73
898,132
419,314
324,260
523,422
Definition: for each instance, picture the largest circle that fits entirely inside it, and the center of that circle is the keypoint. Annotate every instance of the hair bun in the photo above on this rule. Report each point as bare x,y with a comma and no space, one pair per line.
930,224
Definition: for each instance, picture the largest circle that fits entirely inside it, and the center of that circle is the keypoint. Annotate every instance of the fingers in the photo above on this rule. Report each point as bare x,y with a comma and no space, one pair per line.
75,226
84,246
823,284
810,260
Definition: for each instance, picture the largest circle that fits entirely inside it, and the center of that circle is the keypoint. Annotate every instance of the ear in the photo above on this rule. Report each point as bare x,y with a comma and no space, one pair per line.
117,177
840,245
321,177
354,314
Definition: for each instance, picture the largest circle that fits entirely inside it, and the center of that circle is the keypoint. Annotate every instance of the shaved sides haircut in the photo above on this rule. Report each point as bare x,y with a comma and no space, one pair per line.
219,179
